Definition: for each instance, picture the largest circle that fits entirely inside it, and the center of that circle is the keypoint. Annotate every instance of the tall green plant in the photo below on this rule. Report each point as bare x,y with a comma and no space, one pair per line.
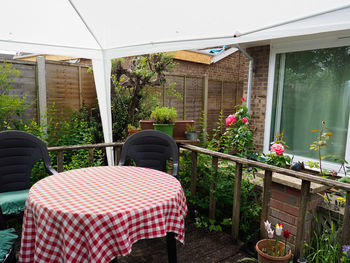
320,143
324,246
12,106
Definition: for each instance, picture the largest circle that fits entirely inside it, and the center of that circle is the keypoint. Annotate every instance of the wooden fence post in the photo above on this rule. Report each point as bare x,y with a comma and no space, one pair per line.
299,239
117,152
265,202
205,105
91,156
59,161
41,82
236,202
80,88
194,174
212,201
345,240
184,96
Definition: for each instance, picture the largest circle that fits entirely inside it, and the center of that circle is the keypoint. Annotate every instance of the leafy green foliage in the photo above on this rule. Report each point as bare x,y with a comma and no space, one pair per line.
11,106
324,246
223,193
238,137
321,142
164,115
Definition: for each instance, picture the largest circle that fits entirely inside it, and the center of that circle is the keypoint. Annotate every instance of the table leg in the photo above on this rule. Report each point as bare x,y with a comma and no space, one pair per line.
171,244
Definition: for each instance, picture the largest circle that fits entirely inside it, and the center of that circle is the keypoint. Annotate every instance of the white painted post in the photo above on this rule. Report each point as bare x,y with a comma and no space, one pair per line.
41,81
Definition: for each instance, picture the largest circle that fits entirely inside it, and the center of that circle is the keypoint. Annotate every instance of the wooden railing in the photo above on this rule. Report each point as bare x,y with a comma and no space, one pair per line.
60,149
269,169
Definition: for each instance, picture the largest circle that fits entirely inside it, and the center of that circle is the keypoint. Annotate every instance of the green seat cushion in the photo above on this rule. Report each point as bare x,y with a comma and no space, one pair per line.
7,238
13,202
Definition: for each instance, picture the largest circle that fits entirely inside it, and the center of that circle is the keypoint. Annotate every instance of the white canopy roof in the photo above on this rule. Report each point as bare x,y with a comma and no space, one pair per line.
106,29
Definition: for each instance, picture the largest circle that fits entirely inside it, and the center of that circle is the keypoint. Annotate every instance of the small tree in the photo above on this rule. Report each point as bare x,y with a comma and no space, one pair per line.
135,98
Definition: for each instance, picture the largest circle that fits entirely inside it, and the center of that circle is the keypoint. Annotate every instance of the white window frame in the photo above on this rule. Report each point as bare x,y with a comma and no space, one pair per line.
284,46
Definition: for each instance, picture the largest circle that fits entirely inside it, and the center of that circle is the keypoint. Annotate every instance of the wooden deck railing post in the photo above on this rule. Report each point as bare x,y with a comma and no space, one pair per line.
299,240
212,201
117,152
59,161
194,174
236,202
345,239
265,202
91,156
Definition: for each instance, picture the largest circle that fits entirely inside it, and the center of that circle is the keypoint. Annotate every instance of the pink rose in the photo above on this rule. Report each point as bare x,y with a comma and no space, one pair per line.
230,120
242,99
245,120
277,148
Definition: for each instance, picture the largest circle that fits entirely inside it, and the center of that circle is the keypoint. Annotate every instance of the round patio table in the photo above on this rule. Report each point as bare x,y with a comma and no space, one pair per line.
96,214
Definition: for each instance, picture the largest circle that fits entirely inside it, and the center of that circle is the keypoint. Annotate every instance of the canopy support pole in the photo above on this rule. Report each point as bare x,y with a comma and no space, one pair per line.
102,74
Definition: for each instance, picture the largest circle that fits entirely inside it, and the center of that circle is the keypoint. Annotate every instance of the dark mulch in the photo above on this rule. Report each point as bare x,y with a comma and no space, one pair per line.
201,246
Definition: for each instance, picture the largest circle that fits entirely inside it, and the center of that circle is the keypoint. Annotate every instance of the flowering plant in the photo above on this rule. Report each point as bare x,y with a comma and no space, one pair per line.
238,133
346,254
276,156
272,246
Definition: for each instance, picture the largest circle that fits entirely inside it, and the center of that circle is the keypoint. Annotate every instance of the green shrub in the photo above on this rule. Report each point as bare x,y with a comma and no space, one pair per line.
164,115
223,193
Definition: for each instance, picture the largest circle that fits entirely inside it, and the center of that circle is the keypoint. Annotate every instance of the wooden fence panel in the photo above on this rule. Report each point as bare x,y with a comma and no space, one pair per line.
173,101
88,89
194,99
232,93
214,103
62,87
25,85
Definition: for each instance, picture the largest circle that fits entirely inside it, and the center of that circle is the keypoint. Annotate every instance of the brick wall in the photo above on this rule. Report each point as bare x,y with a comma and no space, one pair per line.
231,68
259,90
284,207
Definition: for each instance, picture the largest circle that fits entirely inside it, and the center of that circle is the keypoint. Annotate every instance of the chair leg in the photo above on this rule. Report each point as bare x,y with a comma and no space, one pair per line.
171,244
2,220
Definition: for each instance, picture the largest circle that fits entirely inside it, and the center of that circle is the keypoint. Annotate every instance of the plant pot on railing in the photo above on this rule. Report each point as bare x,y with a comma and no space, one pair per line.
146,124
266,244
166,128
191,136
164,119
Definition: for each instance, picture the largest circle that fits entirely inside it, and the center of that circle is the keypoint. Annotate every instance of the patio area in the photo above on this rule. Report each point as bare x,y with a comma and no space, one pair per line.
200,246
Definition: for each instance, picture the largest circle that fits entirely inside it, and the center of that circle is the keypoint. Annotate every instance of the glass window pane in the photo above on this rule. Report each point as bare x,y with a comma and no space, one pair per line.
311,87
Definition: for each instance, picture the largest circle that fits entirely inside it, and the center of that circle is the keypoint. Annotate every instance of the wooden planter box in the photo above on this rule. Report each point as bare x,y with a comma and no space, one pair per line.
146,124
179,128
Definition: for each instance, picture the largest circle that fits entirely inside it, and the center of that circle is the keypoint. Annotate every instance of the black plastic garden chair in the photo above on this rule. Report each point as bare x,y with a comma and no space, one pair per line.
151,149
19,151
7,240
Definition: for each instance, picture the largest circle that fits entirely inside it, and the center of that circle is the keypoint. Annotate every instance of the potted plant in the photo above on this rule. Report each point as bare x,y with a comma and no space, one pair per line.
274,250
164,119
132,129
190,132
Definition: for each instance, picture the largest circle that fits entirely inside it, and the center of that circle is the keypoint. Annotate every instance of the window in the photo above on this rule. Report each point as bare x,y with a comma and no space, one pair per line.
310,87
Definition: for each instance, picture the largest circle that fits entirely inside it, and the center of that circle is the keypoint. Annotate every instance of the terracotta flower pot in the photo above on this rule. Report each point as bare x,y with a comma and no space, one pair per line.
133,131
265,258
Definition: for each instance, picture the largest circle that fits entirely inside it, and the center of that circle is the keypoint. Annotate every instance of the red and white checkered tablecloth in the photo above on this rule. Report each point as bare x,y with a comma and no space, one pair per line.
96,214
